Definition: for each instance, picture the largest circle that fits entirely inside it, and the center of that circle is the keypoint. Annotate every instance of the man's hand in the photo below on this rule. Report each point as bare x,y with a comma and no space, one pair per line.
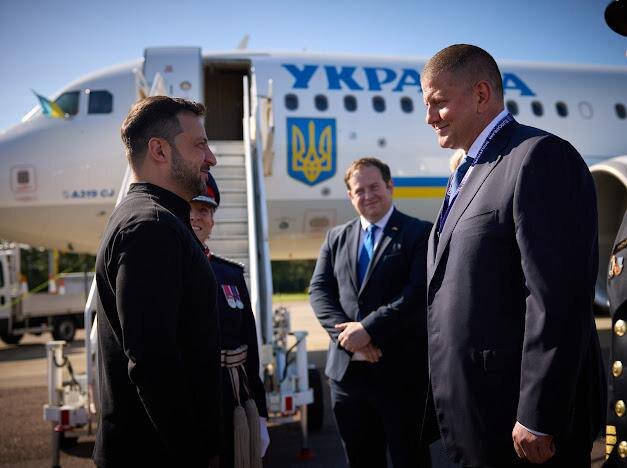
368,353
353,336
531,447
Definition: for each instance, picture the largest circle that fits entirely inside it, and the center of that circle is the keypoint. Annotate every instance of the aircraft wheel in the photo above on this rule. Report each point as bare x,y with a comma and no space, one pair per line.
315,410
10,338
64,329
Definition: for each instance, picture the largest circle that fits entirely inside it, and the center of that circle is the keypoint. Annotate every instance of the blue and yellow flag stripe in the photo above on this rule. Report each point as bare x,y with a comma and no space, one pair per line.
49,108
419,187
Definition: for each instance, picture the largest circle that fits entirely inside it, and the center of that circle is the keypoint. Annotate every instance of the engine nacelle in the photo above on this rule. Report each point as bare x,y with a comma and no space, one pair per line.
610,178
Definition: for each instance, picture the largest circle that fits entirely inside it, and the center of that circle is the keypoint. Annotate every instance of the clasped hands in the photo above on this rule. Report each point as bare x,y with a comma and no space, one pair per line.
354,338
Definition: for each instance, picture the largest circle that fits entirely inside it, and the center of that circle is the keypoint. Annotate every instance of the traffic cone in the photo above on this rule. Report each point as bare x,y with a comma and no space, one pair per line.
61,282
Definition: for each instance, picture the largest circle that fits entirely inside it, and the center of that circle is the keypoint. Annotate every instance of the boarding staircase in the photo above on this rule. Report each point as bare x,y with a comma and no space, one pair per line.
229,237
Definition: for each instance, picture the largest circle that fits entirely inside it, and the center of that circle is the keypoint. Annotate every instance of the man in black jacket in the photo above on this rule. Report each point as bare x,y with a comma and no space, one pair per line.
368,292
159,355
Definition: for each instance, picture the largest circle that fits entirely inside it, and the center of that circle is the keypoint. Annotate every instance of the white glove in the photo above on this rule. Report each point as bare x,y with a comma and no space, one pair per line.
263,435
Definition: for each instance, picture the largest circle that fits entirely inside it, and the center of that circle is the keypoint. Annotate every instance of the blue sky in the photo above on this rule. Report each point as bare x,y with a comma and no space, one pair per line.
45,44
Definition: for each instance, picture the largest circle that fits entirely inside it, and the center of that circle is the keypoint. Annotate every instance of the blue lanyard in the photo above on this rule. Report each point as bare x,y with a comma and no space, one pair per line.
450,198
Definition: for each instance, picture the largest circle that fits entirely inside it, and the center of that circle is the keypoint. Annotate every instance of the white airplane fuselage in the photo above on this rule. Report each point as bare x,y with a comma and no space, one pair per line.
59,178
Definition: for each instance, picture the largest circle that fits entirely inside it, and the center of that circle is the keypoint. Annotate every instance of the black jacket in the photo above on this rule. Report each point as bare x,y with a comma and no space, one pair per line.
391,298
159,360
237,327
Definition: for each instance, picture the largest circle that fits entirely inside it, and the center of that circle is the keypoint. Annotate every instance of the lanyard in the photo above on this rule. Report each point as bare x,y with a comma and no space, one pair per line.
450,198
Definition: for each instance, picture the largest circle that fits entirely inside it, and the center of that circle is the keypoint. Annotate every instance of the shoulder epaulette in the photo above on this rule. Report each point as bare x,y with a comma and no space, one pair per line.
228,261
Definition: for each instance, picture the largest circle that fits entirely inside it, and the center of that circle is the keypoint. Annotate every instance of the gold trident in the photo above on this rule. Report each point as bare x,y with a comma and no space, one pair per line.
313,163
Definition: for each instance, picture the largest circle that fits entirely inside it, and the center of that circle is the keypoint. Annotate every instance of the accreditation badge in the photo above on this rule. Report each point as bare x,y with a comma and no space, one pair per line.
228,293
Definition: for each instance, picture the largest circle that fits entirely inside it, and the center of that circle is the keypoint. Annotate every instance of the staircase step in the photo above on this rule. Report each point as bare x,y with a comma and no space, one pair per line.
226,147
229,160
222,229
221,172
230,247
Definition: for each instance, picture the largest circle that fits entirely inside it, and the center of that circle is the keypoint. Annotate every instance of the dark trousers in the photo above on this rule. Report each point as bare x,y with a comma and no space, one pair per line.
374,415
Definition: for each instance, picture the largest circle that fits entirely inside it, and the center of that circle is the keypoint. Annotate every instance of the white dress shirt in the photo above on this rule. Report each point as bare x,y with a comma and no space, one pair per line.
378,234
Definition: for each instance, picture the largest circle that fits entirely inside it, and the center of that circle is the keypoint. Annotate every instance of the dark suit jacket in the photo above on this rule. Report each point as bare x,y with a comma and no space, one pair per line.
510,289
391,298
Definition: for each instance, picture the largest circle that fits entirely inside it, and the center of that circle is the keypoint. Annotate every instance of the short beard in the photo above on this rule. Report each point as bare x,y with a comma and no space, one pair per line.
188,179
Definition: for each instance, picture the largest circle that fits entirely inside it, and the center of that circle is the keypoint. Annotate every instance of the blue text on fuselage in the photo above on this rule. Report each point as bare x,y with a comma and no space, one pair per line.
377,78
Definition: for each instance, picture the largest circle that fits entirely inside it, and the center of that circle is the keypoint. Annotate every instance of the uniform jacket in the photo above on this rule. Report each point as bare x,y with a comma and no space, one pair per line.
237,326
158,338
510,288
617,387
391,298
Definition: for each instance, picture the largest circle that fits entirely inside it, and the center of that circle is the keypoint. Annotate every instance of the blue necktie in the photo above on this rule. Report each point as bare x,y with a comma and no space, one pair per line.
459,174
367,252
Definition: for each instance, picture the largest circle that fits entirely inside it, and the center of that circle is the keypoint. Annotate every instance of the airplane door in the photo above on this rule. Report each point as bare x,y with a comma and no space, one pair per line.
181,67
224,100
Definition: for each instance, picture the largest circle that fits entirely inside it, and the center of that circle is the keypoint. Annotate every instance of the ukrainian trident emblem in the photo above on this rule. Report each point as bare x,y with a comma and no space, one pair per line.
311,155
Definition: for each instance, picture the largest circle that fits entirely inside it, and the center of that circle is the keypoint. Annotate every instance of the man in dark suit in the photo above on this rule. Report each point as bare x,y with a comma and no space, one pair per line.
368,291
515,365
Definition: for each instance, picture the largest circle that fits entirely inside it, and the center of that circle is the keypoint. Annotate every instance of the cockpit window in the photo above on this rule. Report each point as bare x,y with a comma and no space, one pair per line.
68,102
100,102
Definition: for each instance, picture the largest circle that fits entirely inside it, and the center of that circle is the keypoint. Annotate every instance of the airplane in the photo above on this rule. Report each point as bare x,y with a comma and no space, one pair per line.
306,117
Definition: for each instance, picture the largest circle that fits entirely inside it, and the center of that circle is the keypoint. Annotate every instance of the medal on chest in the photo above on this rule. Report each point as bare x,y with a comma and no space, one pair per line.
230,297
238,299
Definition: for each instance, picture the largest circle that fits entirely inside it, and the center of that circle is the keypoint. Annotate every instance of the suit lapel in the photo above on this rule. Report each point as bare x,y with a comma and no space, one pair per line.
391,229
480,172
353,245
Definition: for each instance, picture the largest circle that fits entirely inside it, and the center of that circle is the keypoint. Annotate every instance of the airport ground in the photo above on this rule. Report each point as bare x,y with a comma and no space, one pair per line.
26,440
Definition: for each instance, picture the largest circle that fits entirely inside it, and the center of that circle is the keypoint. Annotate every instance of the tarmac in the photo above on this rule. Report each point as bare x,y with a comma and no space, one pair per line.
26,439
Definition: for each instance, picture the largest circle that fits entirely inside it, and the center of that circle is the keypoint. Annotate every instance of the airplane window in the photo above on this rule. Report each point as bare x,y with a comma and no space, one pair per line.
321,102
407,105
350,103
536,107
100,102
378,104
23,177
585,109
620,110
68,102
291,102
561,109
512,107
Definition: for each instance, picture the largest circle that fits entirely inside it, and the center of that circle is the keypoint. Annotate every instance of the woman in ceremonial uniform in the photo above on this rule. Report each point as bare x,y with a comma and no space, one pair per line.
244,400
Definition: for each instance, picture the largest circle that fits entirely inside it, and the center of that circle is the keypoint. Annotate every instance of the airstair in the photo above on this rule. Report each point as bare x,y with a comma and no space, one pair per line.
229,237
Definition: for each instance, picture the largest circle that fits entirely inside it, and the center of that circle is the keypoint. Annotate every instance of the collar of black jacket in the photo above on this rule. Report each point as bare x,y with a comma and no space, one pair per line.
165,198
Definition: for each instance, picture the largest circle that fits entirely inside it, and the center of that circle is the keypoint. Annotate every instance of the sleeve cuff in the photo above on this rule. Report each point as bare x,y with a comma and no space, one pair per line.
538,433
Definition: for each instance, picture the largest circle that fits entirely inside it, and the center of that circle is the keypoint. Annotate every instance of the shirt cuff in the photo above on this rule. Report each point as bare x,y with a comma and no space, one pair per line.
538,433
